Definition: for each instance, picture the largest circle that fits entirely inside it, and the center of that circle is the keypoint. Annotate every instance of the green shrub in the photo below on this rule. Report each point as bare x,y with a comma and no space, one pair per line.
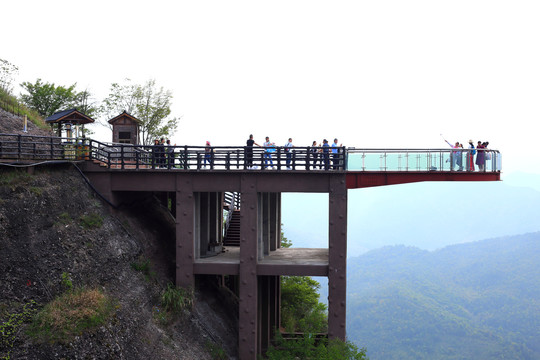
91,221
9,329
71,314
216,351
176,299
143,265
66,281
64,218
309,347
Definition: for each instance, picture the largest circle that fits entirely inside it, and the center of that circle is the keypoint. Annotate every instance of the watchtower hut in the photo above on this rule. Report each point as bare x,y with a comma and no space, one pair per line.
125,129
71,122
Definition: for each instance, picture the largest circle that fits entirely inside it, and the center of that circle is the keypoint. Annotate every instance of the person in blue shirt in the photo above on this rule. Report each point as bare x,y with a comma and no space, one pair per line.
288,151
269,148
335,154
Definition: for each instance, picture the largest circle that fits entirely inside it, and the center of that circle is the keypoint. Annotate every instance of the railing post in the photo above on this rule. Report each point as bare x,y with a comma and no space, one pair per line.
228,161
136,159
278,158
19,146
122,157
308,154
293,159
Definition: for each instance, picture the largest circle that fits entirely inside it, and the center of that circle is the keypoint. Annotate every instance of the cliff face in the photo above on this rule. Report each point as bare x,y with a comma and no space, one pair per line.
53,225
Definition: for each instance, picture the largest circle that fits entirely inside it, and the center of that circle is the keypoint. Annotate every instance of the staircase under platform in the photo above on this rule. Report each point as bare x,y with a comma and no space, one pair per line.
232,235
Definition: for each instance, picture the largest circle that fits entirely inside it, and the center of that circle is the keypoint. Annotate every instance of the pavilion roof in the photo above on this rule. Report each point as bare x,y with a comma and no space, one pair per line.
72,115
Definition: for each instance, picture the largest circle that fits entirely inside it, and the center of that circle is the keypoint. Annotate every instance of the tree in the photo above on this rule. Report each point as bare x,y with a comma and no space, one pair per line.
149,104
300,307
47,98
317,349
301,311
7,74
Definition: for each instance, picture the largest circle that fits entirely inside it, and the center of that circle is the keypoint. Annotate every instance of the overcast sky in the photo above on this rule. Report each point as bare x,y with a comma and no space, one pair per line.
371,73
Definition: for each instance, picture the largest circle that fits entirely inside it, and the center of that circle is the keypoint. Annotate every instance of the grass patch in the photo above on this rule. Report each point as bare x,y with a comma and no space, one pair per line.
176,299
64,218
71,314
216,351
143,265
91,221
15,177
36,190
10,103
9,329
66,281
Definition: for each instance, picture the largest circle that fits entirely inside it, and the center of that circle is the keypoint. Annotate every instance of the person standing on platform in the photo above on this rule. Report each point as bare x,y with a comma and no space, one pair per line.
314,152
170,154
335,154
480,157
249,151
208,154
326,154
288,151
470,156
269,148
162,153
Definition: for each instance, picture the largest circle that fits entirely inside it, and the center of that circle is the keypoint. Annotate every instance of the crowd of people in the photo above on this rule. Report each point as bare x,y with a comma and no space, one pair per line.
456,157
319,154
163,153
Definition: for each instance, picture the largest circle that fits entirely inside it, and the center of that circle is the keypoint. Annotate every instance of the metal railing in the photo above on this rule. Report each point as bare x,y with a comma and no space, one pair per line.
219,158
126,156
423,160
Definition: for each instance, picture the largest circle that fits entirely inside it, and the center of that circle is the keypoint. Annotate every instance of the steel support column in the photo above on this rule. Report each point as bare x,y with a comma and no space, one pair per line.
337,258
275,223
247,322
185,224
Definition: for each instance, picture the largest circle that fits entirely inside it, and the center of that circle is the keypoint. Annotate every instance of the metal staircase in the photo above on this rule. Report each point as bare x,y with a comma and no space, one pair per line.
232,223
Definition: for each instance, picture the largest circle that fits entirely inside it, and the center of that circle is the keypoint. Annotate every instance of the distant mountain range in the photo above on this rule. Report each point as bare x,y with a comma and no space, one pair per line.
428,215
479,300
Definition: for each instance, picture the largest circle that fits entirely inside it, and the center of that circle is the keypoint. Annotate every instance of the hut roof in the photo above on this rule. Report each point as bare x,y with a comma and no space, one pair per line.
71,115
126,114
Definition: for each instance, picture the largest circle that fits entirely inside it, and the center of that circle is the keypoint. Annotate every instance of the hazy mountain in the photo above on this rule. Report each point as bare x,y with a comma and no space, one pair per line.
428,215
479,300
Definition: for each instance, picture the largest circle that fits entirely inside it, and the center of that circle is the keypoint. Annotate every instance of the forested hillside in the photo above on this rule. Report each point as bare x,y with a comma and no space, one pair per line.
478,300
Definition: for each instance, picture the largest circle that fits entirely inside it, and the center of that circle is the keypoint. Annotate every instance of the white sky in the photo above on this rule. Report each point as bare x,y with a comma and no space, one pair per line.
379,73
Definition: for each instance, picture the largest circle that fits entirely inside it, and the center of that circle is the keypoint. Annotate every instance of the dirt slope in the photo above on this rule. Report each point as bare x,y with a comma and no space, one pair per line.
42,236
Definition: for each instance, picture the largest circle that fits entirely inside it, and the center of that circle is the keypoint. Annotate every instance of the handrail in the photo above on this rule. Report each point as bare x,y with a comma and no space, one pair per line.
218,158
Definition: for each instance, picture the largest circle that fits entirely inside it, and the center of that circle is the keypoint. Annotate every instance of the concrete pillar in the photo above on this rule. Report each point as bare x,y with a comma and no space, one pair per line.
185,225
248,291
337,258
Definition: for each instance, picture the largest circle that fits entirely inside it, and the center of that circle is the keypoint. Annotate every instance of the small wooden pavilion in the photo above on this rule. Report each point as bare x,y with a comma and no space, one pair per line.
71,121
125,129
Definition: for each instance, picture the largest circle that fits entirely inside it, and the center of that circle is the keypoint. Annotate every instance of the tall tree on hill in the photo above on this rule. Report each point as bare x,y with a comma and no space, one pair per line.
47,98
148,103
7,74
